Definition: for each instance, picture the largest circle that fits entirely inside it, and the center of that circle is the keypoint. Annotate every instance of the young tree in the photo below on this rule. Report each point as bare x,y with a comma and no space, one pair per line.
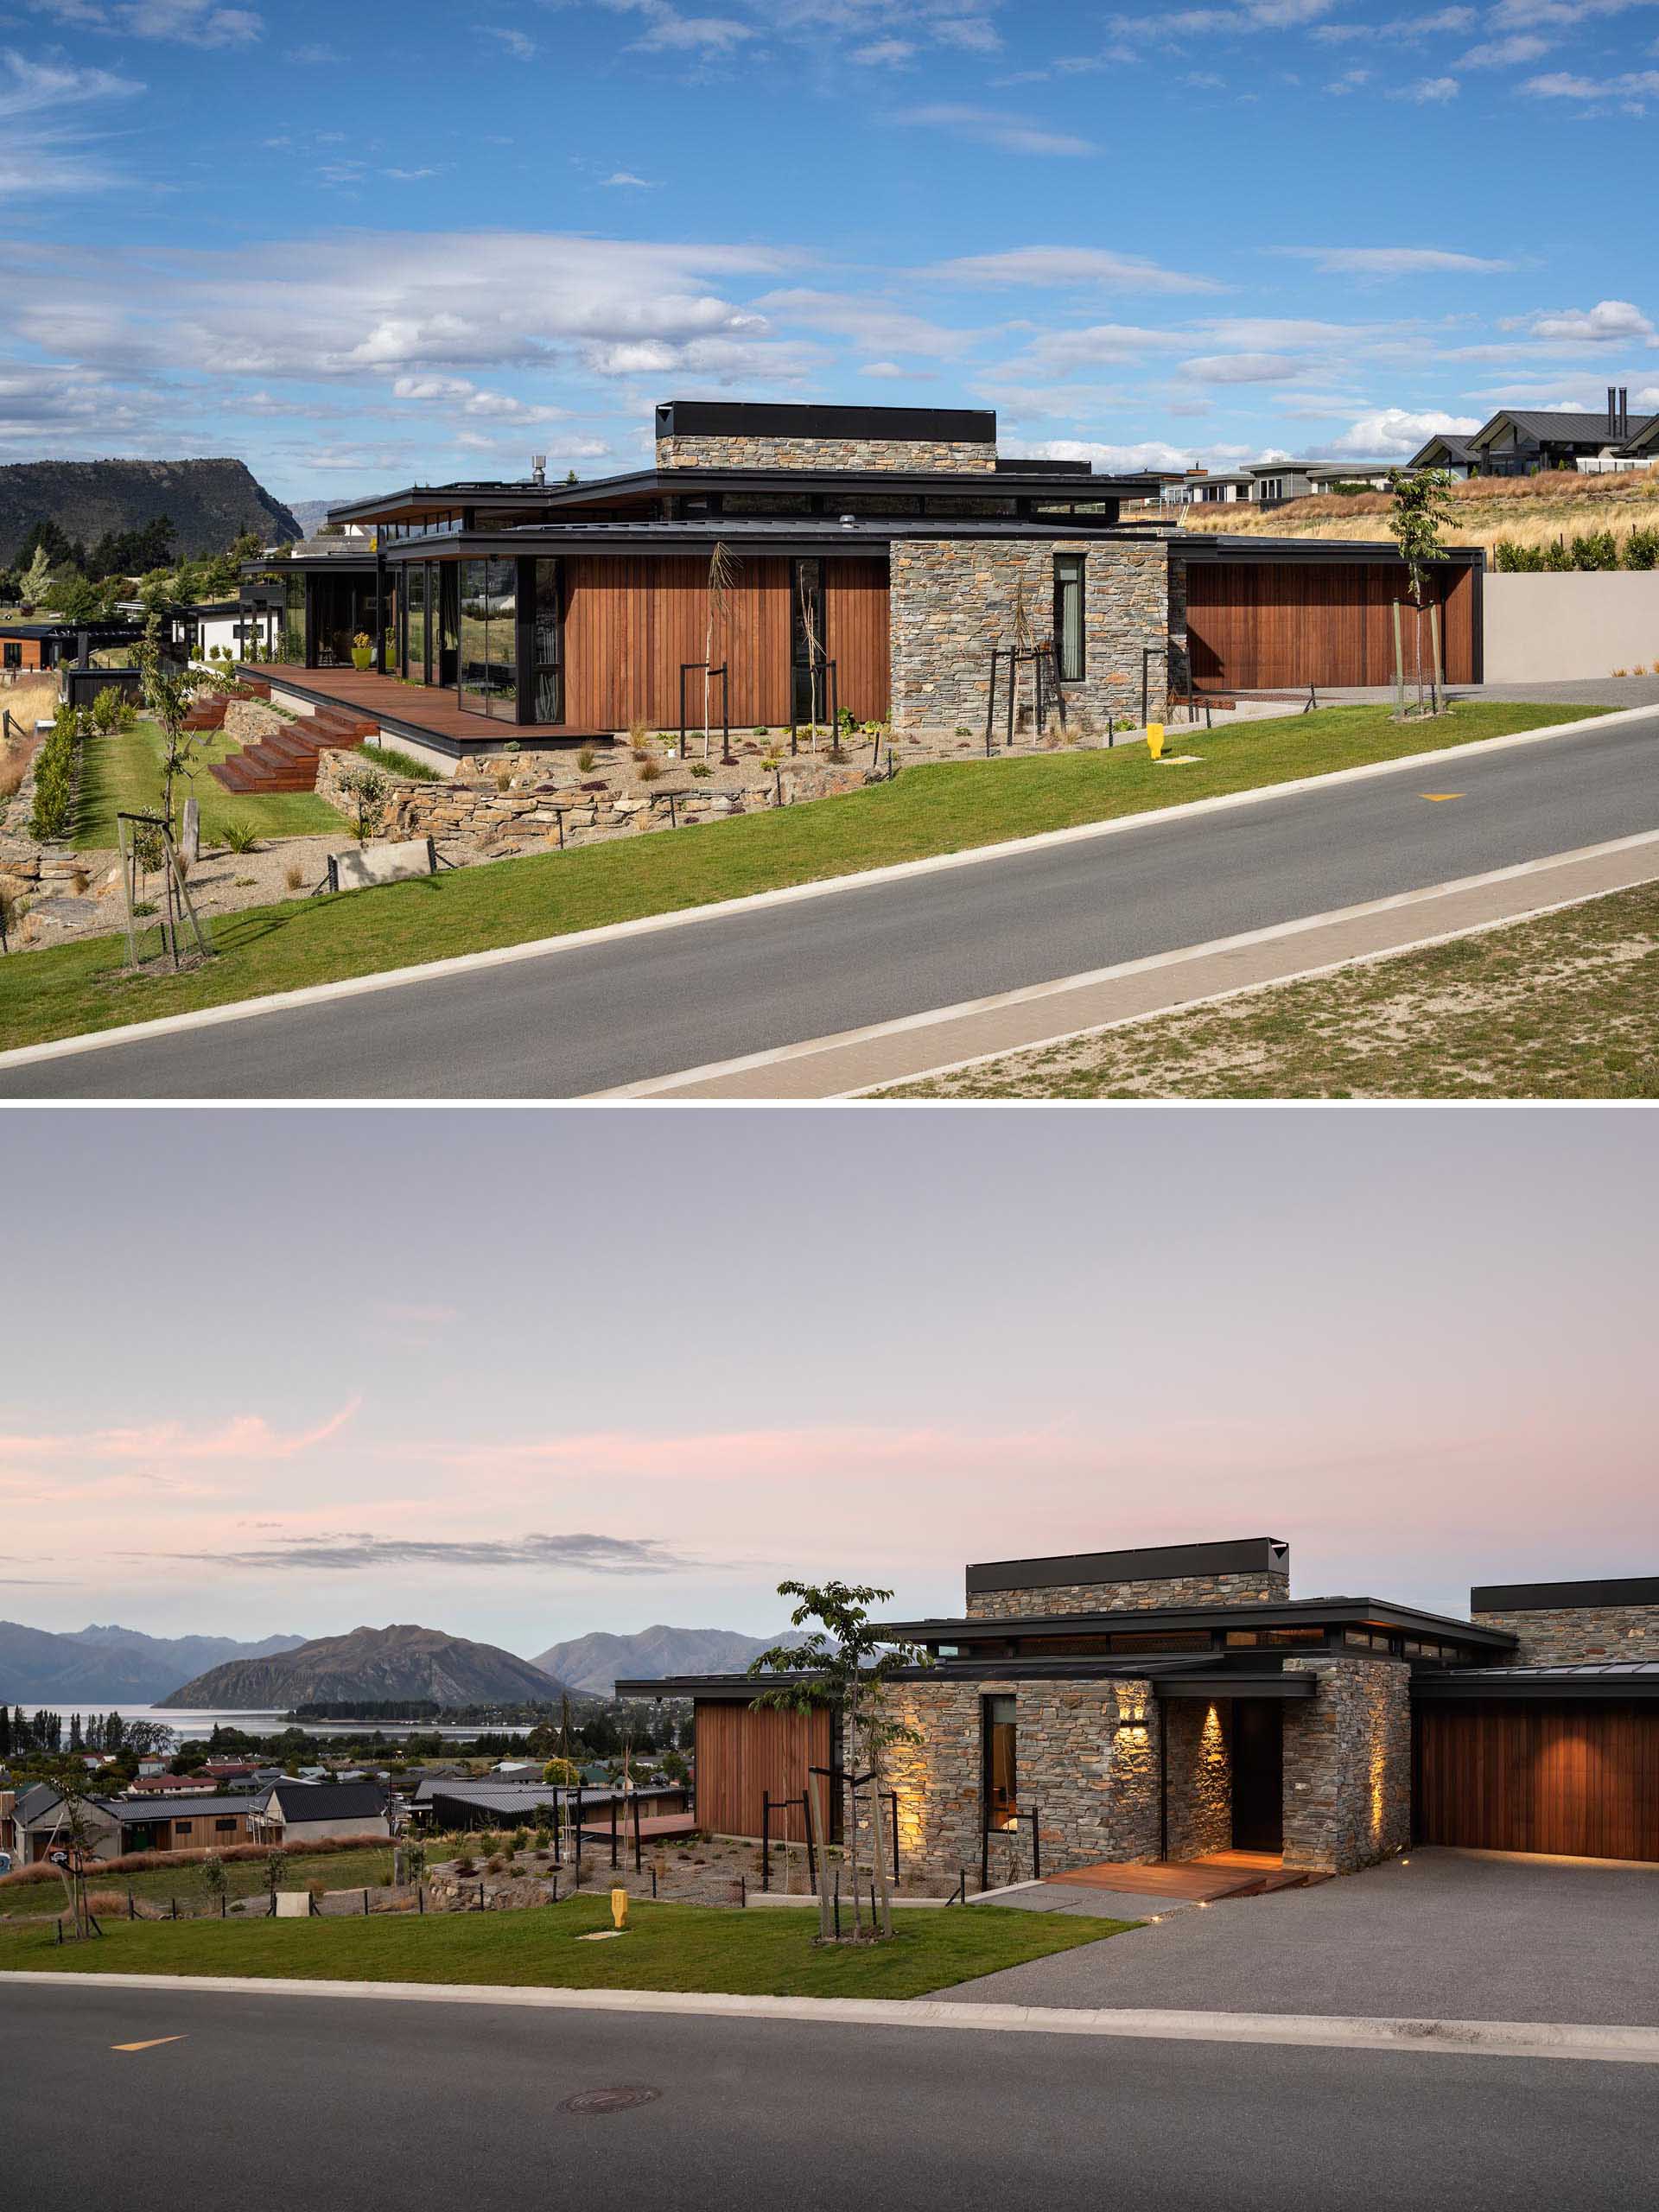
216,1880
70,1845
843,1666
1421,509
723,575
34,586
169,694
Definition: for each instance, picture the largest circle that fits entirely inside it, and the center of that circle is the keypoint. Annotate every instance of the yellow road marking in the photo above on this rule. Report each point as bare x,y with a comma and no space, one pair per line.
1438,799
154,2043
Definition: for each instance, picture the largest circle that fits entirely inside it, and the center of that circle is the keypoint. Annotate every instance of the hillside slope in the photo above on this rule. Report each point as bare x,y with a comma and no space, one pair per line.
593,1664
372,1663
111,1665
209,502
1531,510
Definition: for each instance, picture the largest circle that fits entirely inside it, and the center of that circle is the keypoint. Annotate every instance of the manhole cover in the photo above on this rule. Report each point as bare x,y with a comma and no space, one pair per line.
624,2100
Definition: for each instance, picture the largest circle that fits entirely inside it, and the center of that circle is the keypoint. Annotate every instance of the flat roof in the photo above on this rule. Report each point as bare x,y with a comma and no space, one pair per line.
1609,1678
748,418
1147,1563
1226,545
1544,1597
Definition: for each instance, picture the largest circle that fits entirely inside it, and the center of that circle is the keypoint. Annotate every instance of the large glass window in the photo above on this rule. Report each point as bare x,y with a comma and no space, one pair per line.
414,667
549,643
489,638
1068,615
807,645
1001,1773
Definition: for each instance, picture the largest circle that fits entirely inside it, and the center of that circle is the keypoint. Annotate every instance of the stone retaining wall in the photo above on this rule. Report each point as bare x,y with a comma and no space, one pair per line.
953,599
890,455
540,788
1348,1764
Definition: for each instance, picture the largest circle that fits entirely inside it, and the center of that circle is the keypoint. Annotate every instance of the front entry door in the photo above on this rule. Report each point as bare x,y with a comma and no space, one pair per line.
1258,1775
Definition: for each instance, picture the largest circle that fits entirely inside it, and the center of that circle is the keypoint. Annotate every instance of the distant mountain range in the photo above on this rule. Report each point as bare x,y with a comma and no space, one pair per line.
370,1663
208,502
110,1665
311,514
593,1664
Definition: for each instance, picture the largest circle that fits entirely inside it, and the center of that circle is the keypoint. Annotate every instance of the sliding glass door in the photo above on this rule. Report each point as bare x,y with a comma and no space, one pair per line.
488,656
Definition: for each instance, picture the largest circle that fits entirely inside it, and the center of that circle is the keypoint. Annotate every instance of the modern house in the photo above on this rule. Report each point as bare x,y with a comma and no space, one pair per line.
457,1803
116,1826
1457,456
293,1814
811,559
1166,1705
1521,441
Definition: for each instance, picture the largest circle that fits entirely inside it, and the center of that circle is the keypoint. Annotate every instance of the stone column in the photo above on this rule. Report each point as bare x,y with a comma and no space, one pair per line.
1348,1763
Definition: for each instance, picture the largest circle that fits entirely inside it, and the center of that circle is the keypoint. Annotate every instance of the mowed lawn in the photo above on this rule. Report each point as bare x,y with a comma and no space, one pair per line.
246,1877
945,809
121,770
682,1947
1566,1006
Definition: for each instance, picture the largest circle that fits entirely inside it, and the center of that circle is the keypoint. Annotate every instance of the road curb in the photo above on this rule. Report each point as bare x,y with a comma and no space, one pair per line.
1457,2038
759,902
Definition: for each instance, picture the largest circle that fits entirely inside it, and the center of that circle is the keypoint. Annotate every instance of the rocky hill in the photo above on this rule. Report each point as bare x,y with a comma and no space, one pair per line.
373,1664
111,1665
592,1663
208,502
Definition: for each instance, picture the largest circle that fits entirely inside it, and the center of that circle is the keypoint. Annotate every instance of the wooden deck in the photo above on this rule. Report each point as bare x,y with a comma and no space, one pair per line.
413,710
1193,1881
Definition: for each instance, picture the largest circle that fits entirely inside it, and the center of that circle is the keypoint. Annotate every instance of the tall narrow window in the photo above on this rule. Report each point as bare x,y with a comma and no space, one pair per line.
1000,1775
549,644
1068,615
414,599
806,637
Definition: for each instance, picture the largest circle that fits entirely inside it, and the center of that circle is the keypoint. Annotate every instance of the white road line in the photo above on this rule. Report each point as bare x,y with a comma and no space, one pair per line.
1063,986
1452,2038
722,910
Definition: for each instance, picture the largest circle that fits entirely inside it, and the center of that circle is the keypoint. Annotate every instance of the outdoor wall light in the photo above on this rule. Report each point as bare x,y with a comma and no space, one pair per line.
1136,1718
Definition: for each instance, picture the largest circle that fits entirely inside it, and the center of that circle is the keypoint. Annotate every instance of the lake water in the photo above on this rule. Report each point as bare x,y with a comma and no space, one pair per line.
188,1725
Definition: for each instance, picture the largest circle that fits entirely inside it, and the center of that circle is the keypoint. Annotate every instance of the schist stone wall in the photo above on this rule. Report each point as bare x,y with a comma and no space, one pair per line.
1255,1585
953,599
1587,1622
1348,1764
1200,1778
1095,1784
890,455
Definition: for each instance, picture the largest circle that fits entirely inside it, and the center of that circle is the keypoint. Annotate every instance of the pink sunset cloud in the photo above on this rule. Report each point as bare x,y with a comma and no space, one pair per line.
244,1436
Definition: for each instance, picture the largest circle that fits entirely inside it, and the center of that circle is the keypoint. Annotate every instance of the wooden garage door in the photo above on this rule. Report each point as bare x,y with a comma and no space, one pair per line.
1517,1774
1270,625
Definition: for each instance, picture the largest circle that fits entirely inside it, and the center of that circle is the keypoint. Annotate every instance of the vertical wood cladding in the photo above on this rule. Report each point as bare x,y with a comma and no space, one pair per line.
742,1753
631,620
1265,624
1516,1775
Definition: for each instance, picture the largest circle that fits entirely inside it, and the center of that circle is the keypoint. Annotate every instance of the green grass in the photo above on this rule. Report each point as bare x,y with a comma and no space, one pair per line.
337,1870
945,809
122,770
396,763
668,1947
1564,1007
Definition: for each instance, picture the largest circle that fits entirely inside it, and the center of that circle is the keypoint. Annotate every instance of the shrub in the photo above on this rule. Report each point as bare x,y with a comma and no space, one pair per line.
366,788
519,1840
1642,549
397,763
1595,549
241,836
701,768
54,779
106,710
585,759
466,1864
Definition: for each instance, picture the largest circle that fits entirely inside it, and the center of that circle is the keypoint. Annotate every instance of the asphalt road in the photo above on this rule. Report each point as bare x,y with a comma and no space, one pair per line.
353,2104
582,1020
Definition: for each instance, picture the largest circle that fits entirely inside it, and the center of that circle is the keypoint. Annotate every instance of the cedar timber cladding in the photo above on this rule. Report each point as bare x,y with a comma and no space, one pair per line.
631,621
1263,624
856,635
743,1752
1515,1775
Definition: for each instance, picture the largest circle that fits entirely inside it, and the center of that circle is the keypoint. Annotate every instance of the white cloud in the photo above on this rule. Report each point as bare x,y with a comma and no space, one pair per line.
1014,134
627,177
1505,52
196,22
1397,430
1240,368
972,32
1108,460
883,53
1632,87
668,31
872,323
1393,261
1067,266
517,42
1610,322
1431,91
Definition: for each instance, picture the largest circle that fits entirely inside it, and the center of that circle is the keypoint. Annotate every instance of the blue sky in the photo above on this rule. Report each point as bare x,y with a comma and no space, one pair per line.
357,245
521,1375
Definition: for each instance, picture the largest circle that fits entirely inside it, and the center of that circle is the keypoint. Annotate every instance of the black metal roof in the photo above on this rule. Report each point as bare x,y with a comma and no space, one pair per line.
1224,545
1588,1678
326,1801
1148,1563
1172,1673
783,534
1563,428
1544,1597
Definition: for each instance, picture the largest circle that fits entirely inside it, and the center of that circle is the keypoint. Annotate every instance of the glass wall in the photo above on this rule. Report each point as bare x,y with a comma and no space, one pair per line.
414,575
547,701
807,648
488,672
1068,615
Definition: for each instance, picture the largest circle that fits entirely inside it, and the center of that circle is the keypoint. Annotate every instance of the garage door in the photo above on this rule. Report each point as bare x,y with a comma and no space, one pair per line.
1576,1776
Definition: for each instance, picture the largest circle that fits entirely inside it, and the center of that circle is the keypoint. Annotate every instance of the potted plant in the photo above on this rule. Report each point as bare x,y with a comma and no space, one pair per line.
362,649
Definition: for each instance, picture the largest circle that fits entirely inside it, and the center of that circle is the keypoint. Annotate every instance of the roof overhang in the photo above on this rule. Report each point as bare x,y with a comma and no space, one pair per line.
1211,545
1478,1685
1294,1612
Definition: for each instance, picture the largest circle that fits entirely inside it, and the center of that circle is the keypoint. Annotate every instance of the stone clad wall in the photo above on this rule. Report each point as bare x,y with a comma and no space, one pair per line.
891,455
953,599
1258,1586
1094,1785
1348,1764
1560,1634
1200,1778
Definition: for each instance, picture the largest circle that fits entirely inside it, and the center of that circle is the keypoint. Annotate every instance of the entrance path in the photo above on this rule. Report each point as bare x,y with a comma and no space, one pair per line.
1443,1935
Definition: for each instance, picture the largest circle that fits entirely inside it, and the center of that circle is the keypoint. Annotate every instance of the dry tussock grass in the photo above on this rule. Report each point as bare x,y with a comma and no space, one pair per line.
1528,510
144,1862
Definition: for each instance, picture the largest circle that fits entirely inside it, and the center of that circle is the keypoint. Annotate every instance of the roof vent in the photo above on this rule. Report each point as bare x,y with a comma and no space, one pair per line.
538,468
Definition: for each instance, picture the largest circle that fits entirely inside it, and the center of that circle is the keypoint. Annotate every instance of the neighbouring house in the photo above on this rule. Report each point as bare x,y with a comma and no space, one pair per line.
1524,441
1169,1704
119,1825
460,1804
1457,456
877,556
162,1785
292,1814
50,643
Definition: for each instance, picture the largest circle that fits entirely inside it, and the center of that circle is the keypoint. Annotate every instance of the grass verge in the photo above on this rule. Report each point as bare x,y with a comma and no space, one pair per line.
246,1877
680,1947
122,770
1564,1007
952,808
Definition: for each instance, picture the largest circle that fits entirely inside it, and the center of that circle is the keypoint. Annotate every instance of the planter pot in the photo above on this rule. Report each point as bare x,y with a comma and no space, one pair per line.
361,656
